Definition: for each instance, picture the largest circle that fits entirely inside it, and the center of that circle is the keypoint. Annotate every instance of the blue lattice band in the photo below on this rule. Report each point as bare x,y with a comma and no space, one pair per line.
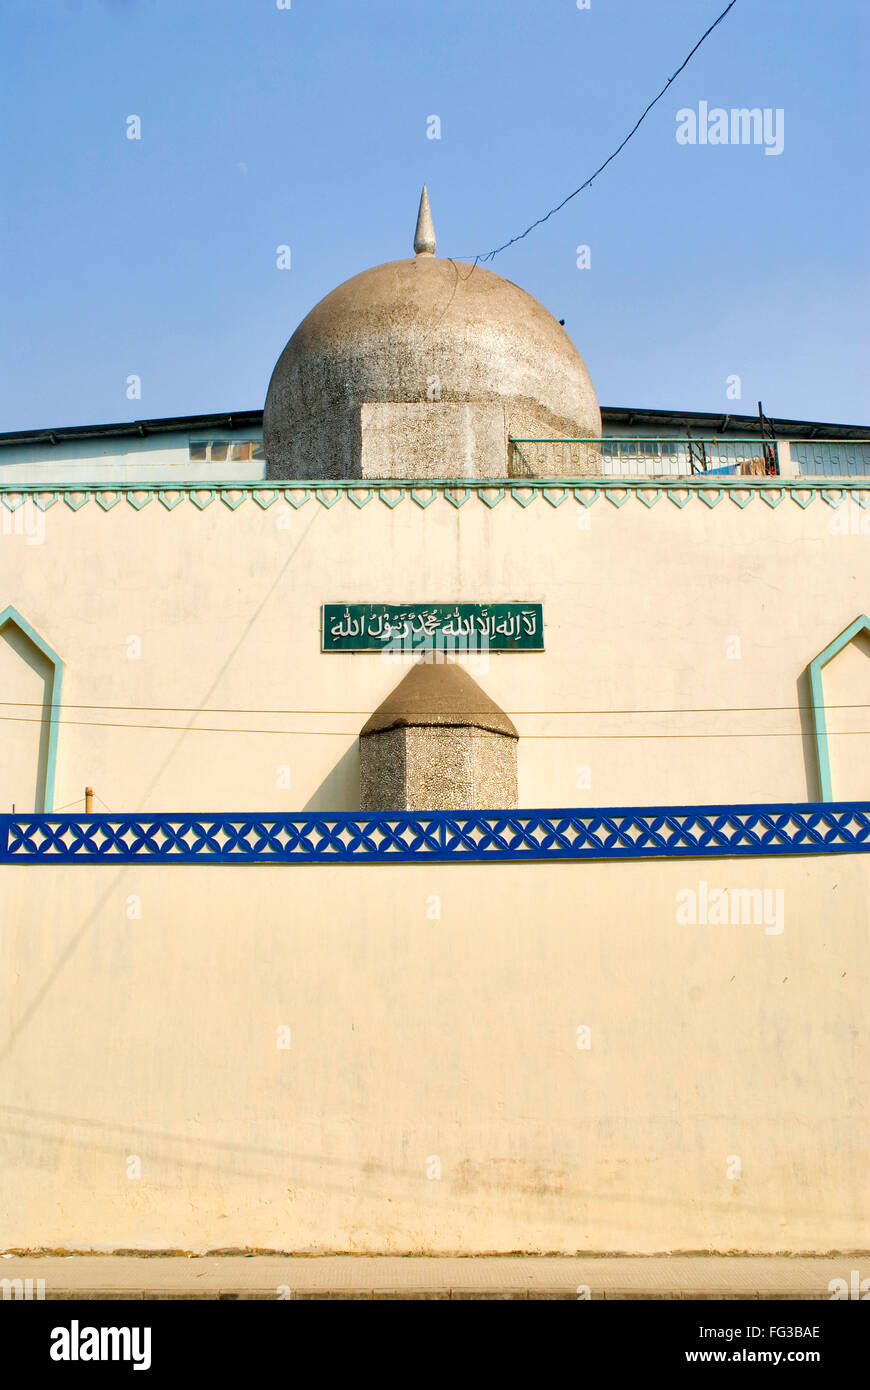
442,836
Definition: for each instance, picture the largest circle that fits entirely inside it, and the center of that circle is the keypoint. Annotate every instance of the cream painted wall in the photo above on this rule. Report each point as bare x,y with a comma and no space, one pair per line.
657,608
415,1038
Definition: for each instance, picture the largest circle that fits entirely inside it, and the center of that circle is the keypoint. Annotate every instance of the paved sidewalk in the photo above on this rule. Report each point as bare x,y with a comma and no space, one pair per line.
430,1277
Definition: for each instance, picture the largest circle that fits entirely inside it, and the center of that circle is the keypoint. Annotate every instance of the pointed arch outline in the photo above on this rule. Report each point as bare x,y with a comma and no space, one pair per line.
11,615
817,693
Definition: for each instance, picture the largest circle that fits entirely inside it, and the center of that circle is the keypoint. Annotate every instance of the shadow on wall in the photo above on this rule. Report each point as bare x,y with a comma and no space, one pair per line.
808,736
26,677
339,790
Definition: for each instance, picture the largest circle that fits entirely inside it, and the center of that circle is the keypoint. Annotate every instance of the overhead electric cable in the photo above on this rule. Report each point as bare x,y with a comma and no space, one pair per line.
193,728
489,255
257,709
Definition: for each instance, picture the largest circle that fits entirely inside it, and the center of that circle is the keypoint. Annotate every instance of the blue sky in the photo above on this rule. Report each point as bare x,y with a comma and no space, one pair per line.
308,127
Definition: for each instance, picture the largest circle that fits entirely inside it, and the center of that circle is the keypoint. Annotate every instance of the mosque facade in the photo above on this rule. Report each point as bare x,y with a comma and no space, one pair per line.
436,810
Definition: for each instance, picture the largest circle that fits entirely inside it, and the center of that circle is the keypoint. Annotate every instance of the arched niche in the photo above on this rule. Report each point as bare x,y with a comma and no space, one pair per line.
840,691
30,682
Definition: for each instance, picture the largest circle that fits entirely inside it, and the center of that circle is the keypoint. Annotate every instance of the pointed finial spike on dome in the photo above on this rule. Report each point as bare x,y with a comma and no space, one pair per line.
424,236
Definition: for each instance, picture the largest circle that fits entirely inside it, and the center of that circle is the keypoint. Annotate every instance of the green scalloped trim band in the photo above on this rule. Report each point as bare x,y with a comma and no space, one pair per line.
455,492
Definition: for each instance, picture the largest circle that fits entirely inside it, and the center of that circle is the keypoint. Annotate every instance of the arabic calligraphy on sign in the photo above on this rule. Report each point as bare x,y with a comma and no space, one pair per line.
372,627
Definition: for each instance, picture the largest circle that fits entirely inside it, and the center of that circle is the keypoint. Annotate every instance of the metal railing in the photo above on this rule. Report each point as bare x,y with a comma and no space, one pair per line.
653,457
831,458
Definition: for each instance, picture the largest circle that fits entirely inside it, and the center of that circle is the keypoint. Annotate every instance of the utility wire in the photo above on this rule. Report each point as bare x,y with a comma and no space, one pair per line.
81,798
489,255
351,733
254,709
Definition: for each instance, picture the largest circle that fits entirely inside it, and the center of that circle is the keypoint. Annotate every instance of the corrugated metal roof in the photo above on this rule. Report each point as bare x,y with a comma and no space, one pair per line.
613,417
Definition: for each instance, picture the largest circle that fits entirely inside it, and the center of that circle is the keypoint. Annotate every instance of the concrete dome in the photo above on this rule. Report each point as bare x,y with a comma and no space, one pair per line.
440,363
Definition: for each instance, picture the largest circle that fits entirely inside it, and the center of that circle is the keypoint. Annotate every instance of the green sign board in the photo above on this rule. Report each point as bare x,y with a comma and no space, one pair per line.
376,627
